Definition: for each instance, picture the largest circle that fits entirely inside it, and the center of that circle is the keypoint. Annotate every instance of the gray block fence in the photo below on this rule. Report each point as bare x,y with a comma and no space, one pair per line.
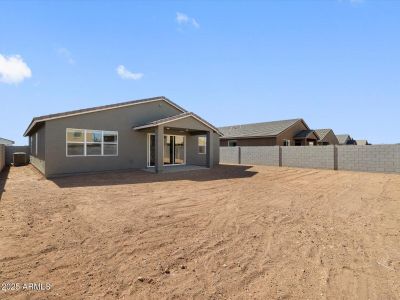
371,158
10,150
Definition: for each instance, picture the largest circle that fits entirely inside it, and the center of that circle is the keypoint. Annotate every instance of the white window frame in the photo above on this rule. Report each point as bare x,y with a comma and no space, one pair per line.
198,145
231,141
288,143
85,143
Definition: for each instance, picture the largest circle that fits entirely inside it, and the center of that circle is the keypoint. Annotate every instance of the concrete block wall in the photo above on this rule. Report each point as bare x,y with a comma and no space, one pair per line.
372,158
317,157
260,155
2,157
229,155
10,150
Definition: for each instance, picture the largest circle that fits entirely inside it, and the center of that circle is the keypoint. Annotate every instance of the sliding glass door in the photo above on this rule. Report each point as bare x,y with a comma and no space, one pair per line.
173,150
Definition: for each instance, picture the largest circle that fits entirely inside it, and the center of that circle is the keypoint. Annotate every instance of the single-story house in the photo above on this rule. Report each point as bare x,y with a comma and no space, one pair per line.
152,133
345,139
6,142
276,133
362,143
326,137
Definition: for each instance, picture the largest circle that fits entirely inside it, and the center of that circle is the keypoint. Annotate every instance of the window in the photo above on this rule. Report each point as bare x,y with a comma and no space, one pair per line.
286,142
36,143
202,144
86,142
232,143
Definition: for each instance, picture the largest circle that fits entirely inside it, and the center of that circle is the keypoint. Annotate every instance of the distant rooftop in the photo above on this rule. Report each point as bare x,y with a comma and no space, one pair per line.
264,129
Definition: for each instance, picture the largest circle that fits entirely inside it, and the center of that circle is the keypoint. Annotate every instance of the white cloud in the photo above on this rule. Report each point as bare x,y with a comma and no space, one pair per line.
65,53
13,69
126,74
184,19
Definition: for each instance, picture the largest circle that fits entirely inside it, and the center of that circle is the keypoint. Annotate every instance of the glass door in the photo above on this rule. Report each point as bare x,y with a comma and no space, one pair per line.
173,150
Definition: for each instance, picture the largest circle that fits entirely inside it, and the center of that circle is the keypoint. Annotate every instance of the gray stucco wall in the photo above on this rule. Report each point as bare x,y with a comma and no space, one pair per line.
319,157
260,155
132,144
2,157
373,158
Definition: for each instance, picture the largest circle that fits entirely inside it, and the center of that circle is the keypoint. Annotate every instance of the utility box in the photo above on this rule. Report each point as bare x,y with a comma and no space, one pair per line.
19,159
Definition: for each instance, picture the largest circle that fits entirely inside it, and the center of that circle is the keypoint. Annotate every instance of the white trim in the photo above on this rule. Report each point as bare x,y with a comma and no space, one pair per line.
84,143
140,101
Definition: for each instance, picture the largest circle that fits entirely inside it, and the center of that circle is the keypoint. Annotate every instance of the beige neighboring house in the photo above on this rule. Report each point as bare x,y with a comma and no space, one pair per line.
293,132
362,143
6,142
326,137
345,139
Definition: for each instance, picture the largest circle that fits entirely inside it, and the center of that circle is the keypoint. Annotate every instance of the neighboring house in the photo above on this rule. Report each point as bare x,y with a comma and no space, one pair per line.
293,132
362,143
345,139
148,133
6,142
326,137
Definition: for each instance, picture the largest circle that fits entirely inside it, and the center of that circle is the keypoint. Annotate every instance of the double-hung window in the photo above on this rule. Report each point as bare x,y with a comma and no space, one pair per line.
87,142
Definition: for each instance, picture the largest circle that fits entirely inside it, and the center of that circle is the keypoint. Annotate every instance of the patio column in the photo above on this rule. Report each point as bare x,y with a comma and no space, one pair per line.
210,157
159,147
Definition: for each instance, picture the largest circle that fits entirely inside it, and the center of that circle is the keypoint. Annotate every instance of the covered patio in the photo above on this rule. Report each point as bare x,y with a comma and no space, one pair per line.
179,142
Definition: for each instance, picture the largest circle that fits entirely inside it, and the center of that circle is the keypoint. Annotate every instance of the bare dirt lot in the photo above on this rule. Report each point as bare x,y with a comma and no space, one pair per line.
234,232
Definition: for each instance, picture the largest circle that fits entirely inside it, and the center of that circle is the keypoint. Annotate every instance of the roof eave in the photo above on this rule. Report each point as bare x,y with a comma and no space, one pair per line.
162,98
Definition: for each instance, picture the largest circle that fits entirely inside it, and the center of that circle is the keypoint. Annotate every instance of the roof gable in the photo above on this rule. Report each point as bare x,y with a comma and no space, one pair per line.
176,118
44,118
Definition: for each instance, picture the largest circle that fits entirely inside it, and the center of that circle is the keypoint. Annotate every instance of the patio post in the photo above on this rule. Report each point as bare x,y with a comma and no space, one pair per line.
209,143
159,145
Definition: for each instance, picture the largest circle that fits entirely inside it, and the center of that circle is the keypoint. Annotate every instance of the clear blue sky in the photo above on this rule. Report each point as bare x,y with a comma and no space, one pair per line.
334,63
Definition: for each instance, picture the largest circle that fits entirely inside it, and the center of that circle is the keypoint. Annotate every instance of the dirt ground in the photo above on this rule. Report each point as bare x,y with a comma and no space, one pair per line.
234,232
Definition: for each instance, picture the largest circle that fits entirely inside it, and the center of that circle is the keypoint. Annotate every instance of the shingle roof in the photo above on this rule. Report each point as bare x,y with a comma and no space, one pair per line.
322,133
342,138
174,118
98,108
6,141
264,129
362,142
304,134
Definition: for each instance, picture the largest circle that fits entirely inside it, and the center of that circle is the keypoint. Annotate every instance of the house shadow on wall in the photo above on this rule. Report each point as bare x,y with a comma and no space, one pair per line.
220,172
3,179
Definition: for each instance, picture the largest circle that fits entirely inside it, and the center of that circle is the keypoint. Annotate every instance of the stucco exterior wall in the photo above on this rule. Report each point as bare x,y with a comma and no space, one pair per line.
330,138
132,145
2,156
289,133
